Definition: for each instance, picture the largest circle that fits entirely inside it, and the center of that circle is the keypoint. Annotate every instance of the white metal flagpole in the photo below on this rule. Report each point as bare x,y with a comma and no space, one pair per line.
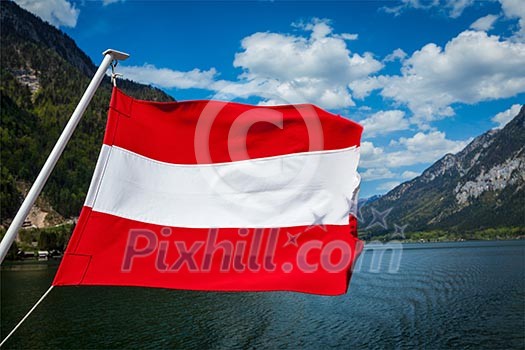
109,56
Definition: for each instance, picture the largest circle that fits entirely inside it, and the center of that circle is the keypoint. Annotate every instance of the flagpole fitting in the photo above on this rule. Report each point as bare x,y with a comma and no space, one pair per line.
116,56
114,75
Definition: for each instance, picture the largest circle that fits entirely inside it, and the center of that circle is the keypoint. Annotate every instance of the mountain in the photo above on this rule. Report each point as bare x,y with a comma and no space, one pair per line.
482,186
43,74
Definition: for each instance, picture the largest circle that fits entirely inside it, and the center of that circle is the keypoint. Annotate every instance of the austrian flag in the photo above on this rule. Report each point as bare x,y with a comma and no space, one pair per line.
219,196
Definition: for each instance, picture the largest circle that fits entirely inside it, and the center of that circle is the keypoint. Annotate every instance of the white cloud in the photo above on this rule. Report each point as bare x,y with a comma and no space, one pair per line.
56,12
454,8
408,174
512,9
387,186
317,68
371,156
405,4
422,148
384,122
472,67
362,88
377,173
433,144
502,118
484,23
167,78
321,28
346,36
515,9
108,2
397,54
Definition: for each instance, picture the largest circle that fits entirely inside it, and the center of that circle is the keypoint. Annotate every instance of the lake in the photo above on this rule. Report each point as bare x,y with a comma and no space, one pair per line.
443,295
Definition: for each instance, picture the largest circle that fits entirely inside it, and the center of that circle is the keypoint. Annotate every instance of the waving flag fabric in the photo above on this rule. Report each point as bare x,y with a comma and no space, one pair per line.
222,196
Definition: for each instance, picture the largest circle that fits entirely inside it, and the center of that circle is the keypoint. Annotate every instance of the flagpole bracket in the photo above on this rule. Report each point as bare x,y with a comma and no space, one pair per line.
116,55
114,75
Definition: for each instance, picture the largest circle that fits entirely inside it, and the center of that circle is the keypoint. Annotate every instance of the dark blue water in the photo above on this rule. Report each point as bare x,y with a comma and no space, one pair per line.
451,295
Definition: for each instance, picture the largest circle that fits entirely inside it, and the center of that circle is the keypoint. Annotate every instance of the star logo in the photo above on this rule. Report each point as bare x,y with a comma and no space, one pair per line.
318,221
379,218
353,209
292,239
350,206
399,231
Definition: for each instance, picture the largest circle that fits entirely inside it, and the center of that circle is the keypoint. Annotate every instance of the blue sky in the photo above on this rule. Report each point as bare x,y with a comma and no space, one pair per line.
423,77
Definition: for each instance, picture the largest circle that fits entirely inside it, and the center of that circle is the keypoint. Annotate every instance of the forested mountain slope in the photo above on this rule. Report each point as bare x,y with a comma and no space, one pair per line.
43,74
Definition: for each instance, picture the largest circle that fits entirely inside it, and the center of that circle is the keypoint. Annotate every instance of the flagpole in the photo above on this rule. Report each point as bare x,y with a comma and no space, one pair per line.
38,185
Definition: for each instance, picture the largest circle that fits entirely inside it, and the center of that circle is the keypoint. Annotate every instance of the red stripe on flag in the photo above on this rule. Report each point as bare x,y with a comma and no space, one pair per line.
202,132
123,252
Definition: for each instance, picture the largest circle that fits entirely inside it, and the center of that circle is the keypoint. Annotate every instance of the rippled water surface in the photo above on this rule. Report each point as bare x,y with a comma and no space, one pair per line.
450,295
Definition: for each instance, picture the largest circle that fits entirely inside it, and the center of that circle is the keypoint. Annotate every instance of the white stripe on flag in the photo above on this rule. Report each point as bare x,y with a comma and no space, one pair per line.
281,191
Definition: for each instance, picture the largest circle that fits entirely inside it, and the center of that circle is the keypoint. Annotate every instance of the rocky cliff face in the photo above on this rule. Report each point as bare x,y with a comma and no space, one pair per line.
482,186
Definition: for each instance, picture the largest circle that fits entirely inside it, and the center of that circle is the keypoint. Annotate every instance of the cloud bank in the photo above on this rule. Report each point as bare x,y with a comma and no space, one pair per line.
56,12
